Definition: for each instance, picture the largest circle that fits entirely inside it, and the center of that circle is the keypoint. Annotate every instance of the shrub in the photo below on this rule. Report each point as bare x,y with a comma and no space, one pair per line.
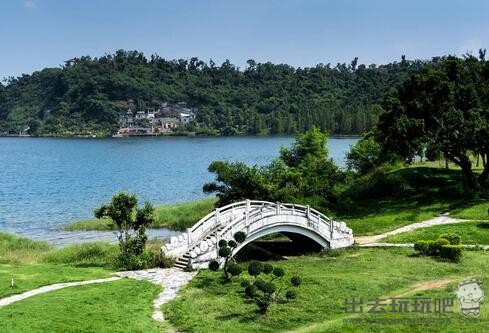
230,268
214,265
296,281
451,252
267,268
422,247
278,271
452,238
131,222
234,269
224,251
255,268
251,291
290,294
159,259
245,283
260,284
240,237
267,292
435,246
269,288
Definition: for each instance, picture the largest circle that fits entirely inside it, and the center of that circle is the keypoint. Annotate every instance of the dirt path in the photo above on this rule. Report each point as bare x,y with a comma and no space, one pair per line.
439,220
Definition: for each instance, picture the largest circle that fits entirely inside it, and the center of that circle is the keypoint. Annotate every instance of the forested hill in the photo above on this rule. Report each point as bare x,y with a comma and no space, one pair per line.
88,95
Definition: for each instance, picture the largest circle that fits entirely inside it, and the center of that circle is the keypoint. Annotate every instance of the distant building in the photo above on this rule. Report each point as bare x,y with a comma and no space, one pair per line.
186,118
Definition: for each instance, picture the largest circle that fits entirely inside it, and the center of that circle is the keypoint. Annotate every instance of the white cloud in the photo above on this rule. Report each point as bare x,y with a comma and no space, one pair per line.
29,4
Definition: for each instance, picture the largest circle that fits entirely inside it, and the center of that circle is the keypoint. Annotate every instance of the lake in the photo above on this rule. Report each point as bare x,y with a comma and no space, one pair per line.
47,182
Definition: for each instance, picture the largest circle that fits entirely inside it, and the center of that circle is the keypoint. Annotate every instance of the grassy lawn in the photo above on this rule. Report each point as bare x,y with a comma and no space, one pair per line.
31,276
175,217
119,306
418,194
470,232
33,264
375,217
206,305
474,211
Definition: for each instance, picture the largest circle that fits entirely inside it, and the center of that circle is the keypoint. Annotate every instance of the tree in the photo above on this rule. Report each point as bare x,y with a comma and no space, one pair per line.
267,290
131,223
303,172
230,267
445,107
364,156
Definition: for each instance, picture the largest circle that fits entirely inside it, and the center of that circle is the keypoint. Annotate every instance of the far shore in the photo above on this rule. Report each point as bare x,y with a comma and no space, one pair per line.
175,217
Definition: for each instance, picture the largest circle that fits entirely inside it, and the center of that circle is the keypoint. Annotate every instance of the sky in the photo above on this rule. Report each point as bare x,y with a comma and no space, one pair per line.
44,33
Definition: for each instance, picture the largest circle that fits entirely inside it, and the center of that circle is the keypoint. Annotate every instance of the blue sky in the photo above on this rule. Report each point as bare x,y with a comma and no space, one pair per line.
43,33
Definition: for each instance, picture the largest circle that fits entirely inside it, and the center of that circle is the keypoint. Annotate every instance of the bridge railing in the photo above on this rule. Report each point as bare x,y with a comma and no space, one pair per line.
235,215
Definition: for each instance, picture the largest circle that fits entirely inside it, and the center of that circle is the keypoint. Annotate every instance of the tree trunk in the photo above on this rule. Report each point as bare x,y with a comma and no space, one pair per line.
484,176
464,163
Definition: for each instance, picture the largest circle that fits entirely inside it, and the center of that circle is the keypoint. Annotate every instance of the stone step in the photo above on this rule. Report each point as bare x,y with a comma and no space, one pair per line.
180,265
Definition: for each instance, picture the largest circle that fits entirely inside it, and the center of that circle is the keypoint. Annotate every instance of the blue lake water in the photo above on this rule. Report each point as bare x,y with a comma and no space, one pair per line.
47,182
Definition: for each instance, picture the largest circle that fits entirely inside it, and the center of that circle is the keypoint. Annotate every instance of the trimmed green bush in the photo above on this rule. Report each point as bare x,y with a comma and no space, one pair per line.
214,265
224,251
223,243
245,283
255,268
451,252
435,246
232,244
251,291
422,247
278,272
296,281
452,238
240,237
267,268
234,269
290,294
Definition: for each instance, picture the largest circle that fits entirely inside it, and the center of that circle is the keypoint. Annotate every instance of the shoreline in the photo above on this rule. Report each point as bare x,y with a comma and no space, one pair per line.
335,136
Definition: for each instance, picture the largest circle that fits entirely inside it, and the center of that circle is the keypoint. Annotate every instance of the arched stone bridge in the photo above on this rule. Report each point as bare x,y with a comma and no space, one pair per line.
196,247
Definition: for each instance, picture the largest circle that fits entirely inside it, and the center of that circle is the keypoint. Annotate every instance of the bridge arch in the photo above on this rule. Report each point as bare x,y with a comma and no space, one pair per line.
285,228
198,245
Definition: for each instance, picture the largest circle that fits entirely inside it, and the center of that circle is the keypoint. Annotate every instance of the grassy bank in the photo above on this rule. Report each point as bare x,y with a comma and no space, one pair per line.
119,306
209,306
175,217
396,198
33,264
471,233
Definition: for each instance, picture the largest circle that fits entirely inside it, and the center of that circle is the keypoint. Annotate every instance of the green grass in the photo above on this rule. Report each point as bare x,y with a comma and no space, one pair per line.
120,306
425,193
175,217
375,217
31,276
470,233
206,305
473,211
33,264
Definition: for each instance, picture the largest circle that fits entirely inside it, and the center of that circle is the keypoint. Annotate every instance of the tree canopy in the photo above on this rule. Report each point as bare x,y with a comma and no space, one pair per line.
263,98
445,108
303,173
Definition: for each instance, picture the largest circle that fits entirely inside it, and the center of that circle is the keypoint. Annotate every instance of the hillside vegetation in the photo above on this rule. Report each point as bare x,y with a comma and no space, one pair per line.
88,95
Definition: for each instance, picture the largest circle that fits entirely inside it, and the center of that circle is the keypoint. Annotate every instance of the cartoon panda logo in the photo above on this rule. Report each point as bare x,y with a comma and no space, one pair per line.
470,295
